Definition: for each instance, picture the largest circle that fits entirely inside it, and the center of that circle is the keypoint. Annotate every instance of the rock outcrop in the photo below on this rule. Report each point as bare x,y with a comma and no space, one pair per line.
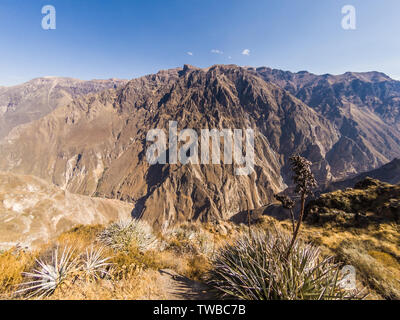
370,201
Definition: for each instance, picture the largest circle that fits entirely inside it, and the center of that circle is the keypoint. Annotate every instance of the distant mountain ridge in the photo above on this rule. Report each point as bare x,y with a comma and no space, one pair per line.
34,99
388,173
364,108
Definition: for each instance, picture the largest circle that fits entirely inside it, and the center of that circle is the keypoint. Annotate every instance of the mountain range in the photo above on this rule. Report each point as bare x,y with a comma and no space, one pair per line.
94,144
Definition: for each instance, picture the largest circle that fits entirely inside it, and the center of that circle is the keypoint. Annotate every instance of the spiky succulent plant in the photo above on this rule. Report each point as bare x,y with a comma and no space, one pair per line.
256,267
95,263
48,276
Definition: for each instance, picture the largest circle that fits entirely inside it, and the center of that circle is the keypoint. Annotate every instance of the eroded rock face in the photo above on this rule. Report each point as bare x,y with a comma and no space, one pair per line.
389,173
33,211
364,107
97,144
34,99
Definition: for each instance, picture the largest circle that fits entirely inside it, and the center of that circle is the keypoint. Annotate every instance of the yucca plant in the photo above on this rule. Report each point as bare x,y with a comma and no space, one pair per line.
257,267
94,264
124,234
49,276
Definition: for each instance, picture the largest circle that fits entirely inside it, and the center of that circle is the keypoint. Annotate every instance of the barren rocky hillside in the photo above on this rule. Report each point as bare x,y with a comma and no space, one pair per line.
96,145
34,99
364,107
33,212
389,173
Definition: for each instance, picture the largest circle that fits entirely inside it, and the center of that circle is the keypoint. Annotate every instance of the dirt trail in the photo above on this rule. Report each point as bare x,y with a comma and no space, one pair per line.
178,287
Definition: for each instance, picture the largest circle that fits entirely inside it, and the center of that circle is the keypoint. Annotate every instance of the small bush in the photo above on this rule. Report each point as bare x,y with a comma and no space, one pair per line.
198,266
133,261
124,234
257,267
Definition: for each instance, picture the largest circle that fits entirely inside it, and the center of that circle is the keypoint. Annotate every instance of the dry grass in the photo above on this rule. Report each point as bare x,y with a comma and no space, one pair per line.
197,268
132,273
373,250
80,237
374,271
143,285
12,264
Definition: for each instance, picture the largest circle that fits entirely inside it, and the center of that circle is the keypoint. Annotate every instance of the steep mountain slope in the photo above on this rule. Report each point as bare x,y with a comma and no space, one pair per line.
364,107
97,144
33,211
31,100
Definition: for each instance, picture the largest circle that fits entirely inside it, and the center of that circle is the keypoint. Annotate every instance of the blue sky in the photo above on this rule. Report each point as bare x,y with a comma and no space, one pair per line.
97,39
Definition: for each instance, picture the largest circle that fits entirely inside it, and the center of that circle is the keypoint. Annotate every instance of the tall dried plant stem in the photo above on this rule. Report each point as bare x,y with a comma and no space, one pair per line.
296,232
248,217
293,220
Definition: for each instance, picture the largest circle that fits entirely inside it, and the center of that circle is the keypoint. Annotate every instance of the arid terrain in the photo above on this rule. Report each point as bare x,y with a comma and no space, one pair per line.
96,145
73,160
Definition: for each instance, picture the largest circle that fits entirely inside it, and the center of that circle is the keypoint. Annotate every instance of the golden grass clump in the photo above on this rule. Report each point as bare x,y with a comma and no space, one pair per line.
12,264
80,237
378,270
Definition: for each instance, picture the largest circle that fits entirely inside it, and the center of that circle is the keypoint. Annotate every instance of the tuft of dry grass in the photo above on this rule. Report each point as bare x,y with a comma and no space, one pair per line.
197,268
12,264
80,237
143,285
373,268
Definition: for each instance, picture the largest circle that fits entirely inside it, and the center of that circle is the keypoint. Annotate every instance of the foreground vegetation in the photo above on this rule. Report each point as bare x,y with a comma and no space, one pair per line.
98,271
270,259
120,261
257,267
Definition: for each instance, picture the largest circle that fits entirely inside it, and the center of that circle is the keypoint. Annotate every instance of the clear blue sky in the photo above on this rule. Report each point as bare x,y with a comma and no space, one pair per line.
130,38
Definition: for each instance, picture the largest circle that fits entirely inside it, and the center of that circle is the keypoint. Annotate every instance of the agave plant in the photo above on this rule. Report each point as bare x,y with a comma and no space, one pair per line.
123,234
45,279
257,267
94,264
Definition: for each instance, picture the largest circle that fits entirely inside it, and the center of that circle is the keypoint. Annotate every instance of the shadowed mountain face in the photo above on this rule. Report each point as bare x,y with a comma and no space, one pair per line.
36,98
96,145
